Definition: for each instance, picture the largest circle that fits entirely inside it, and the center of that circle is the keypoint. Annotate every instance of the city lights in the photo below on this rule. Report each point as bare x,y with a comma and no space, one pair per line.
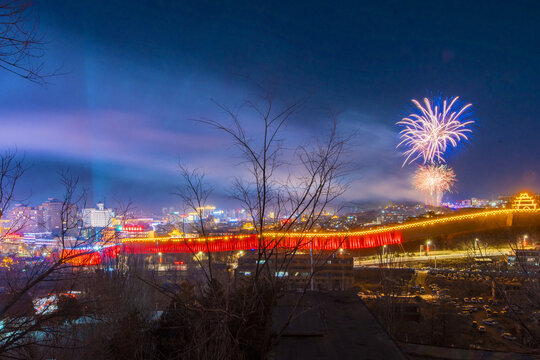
278,180
370,238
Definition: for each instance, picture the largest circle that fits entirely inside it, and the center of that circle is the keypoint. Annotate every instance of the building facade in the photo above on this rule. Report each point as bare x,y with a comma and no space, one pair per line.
98,217
331,272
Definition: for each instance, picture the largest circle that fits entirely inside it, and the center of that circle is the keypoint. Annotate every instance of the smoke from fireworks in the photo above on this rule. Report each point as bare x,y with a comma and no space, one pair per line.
428,133
434,181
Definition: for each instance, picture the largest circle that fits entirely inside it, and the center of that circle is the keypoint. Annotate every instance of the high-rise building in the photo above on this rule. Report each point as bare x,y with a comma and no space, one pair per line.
97,218
55,212
26,219
52,215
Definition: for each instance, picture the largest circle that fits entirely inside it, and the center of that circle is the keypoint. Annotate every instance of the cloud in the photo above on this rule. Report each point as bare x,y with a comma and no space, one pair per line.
107,136
377,173
124,147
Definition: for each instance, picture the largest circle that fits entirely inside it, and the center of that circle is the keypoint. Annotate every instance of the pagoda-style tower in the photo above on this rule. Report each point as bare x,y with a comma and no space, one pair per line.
524,201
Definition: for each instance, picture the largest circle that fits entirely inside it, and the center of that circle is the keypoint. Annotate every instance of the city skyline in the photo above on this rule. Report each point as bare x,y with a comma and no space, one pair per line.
281,180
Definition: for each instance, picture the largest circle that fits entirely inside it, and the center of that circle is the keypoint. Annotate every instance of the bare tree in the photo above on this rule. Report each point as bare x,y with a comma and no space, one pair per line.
285,191
393,287
525,300
290,190
195,193
11,170
21,45
29,308
520,298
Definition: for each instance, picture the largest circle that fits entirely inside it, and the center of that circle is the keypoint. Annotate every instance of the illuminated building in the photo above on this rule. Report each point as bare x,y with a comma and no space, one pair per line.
398,213
332,273
466,203
52,214
524,201
479,202
4,226
97,218
26,219
47,217
137,230
529,258
248,226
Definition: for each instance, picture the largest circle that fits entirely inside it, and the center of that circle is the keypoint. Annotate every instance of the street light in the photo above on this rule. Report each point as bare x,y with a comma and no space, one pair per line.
428,243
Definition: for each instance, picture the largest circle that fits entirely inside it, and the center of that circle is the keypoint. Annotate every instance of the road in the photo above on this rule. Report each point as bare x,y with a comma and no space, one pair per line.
433,256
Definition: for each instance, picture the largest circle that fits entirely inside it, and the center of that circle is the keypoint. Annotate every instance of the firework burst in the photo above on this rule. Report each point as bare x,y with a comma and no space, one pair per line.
432,129
434,181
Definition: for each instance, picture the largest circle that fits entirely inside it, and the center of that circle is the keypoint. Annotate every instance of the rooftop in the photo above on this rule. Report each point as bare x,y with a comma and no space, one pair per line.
331,326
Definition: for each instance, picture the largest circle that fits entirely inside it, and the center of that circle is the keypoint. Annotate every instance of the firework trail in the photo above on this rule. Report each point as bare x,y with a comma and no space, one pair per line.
432,129
434,181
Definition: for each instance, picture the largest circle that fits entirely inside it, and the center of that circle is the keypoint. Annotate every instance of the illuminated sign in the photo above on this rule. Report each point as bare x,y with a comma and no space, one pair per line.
132,228
13,236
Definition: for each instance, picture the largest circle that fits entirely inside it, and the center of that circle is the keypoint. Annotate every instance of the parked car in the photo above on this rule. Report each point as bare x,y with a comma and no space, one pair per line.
482,328
508,336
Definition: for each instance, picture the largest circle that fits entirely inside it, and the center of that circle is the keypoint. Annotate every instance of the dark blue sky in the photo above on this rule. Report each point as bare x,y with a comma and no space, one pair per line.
137,71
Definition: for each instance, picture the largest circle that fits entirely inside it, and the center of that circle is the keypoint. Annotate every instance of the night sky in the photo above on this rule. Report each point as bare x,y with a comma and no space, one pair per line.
134,74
